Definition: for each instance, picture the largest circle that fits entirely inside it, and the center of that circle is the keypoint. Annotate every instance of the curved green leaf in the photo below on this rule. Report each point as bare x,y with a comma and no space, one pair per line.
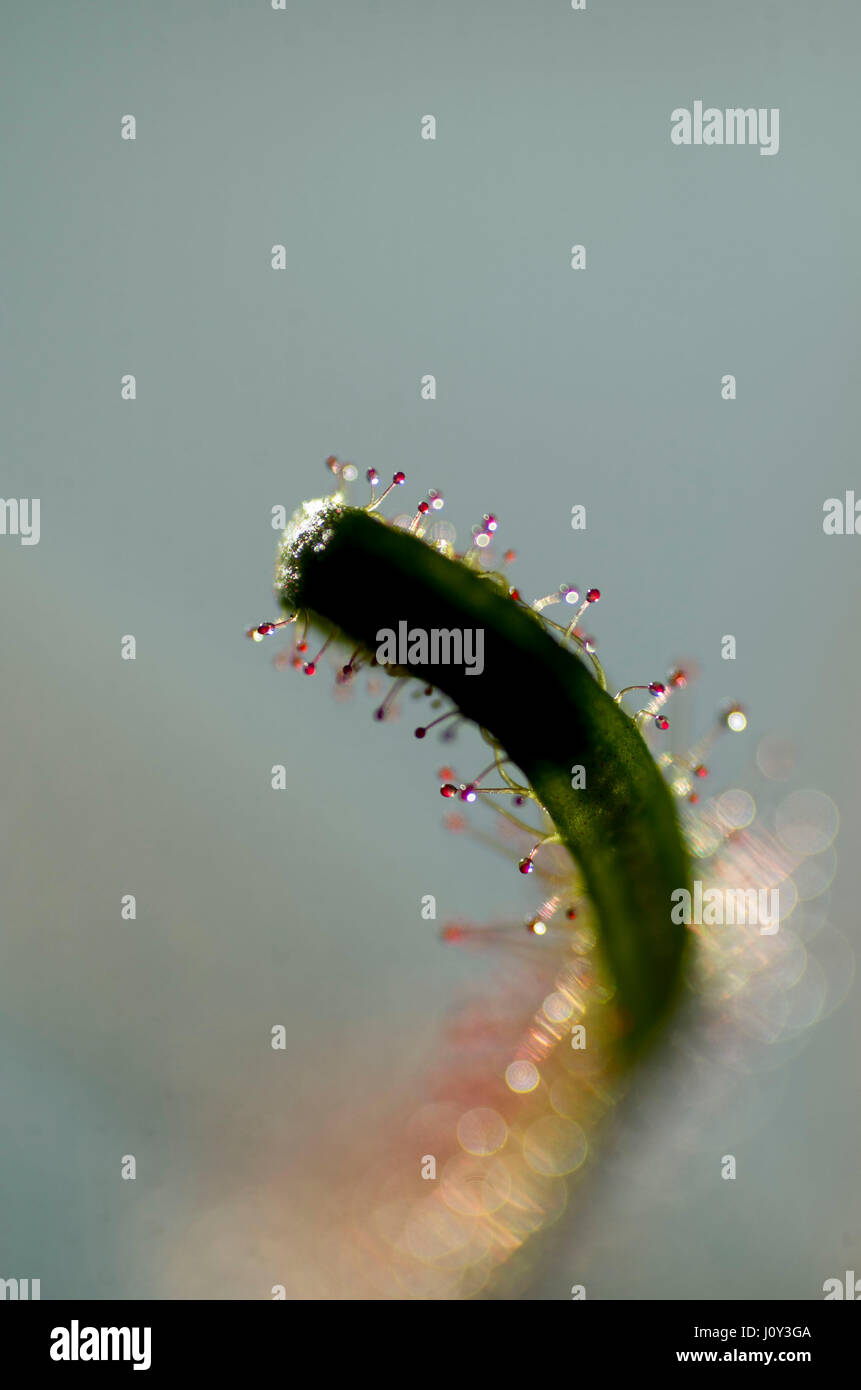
540,702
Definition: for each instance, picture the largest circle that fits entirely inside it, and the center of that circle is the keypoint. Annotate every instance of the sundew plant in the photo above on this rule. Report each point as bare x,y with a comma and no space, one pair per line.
661,908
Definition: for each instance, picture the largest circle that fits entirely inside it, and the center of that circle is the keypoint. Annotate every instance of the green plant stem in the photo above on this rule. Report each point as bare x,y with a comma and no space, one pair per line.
540,702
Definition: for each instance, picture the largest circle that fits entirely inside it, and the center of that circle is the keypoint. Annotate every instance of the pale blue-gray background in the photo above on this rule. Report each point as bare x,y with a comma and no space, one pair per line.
601,387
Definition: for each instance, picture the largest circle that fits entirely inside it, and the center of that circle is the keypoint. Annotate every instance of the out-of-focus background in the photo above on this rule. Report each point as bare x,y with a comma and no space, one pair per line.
599,387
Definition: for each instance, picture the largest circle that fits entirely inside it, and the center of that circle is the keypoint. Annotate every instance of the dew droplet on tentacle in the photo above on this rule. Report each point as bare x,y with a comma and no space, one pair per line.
592,596
266,629
398,480
425,729
310,667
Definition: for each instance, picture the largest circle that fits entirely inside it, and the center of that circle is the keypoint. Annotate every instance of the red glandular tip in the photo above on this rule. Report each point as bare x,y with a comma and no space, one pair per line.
309,668
448,789
593,595
657,688
661,722
526,866
399,478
